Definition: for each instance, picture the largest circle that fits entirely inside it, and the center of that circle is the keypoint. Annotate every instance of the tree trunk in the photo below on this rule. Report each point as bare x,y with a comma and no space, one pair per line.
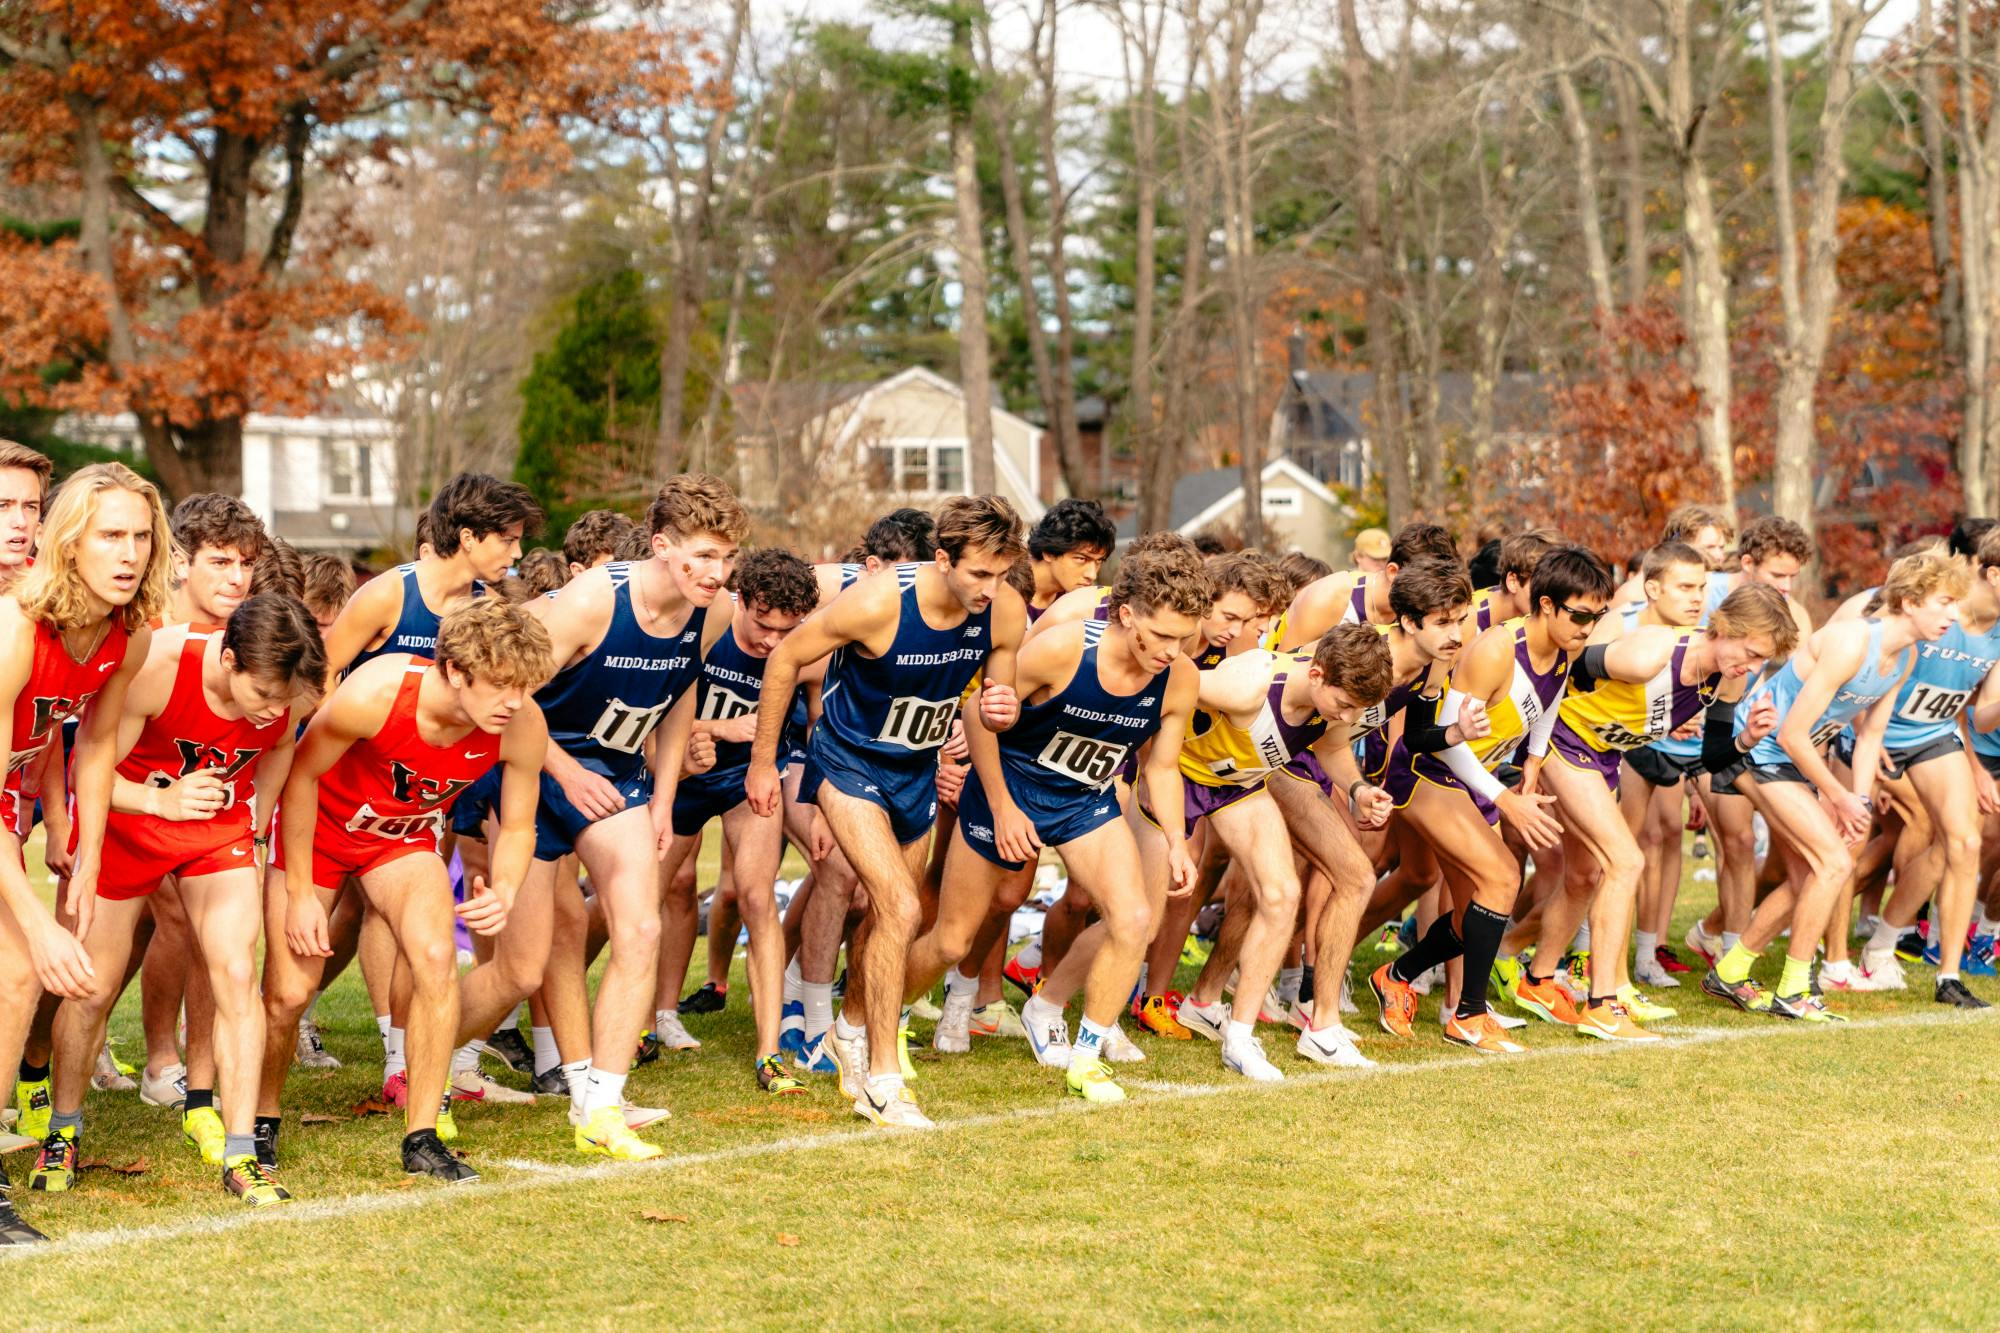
1497,204
1391,452
1631,186
1062,412
1142,98
1794,450
974,366
1708,301
1583,152
1232,148
1937,187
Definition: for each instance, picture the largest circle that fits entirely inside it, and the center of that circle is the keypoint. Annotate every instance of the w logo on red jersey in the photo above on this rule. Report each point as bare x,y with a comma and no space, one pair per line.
427,793
51,711
197,755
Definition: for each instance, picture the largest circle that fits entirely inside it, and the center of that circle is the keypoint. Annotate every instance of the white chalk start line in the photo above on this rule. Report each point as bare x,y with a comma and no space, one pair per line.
534,1175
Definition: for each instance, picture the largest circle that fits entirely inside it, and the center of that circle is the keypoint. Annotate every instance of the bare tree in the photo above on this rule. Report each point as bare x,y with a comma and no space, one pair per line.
975,374
1979,232
1231,132
1142,30
1583,148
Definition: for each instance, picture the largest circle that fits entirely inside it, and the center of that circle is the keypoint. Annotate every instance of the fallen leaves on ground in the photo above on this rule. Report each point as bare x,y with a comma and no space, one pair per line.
137,1167
652,1216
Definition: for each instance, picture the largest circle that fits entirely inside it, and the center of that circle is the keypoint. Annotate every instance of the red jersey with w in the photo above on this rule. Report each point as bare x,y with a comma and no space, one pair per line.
58,688
189,736
395,784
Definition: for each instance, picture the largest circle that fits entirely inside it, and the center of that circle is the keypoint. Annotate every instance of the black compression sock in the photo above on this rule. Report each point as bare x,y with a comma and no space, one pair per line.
1306,986
1440,944
33,1073
198,1098
1484,928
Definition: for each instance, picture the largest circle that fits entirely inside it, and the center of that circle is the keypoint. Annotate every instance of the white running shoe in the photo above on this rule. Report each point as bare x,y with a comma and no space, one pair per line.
924,1009
894,1107
954,1025
1347,1004
1333,1046
1507,1022
1701,942
636,1117
998,1019
167,1089
1648,972
1048,1034
1246,1057
1204,1019
1121,1049
311,1054
1274,1010
673,1033
850,1056
1879,974
1428,982
474,1085
108,1077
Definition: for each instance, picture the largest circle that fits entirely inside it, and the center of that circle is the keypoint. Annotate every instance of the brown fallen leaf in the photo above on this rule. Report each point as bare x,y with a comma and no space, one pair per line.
372,1106
321,1118
651,1216
786,1238
137,1167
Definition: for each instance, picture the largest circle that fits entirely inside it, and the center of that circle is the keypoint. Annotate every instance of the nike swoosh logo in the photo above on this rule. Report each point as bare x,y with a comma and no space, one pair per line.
472,756
237,851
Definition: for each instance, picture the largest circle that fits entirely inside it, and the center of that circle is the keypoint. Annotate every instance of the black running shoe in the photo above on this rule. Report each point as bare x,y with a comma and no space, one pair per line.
552,1082
266,1135
510,1048
1910,947
424,1154
707,1000
649,1048
5,1183
1952,991
13,1231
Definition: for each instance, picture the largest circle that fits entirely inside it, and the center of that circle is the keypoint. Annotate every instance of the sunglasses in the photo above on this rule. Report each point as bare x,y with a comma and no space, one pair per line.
1582,616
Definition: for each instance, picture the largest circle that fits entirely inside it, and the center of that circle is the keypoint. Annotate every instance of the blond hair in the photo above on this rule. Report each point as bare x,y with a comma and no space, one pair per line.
695,503
53,592
1916,577
494,640
1756,608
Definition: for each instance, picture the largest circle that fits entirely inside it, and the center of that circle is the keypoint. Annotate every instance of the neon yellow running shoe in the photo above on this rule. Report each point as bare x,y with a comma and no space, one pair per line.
604,1134
1090,1080
111,1049
447,1127
1643,1009
36,1104
250,1180
1507,971
903,1053
55,1164
203,1129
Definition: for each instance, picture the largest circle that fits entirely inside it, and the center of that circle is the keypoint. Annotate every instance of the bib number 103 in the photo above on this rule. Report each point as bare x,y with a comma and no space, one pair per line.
918,724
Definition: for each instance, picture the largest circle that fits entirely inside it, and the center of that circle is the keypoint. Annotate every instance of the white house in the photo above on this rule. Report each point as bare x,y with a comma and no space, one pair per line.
321,483
1299,511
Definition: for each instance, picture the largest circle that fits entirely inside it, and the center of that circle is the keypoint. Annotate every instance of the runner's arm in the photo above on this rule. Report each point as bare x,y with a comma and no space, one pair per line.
864,610
1868,734
91,773
1166,789
368,616
1316,609
274,766
670,746
358,708
513,851
1838,659
999,702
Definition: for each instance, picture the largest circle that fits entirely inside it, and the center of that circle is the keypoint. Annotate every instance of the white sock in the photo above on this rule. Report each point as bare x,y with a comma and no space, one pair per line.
547,1057
1944,976
1582,944
845,1030
1143,992
602,1089
660,1016
1031,953
465,1059
1288,983
819,1007
1881,944
1643,944
392,1053
957,983
1235,1033
1036,1009
1730,939
382,1022
795,982
1987,924
1090,1039
577,1072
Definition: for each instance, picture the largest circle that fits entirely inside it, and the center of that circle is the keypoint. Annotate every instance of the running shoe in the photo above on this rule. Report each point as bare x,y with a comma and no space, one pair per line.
792,1024
1204,1020
1952,991
1195,952
1390,941
1746,994
1575,975
1156,1018
1978,960
997,1019
510,1048
1334,1046
13,1231
924,1010
895,1109
649,1048
266,1135
1645,1010
202,1128
1027,978
1089,1079
850,1058
311,1053
1480,1033
1427,980
250,1180
903,1038
1246,1057
1406,932
604,1133
109,1077
1048,1035
396,1089
816,1056
1545,998
167,1090
552,1082
1274,1010
474,1085
1120,1049
35,1103
1910,948
772,1078
673,1033
1397,999
1806,1007
1347,1004
953,1034
55,1164
636,1117
1506,971
1933,955
1884,973
709,999
1669,960
1610,1021
1648,972
1703,945
424,1154
447,1124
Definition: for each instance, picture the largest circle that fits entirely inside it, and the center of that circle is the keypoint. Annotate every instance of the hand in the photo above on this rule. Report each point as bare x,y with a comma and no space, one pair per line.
1182,872
1014,835
736,731
196,796
1531,774
61,962
1697,819
764,789
80,900
1762,721
1473,724
305,926
999,706
484,912
956,750
1689,730
1986,789
700,752
1853,816
1524,810
1370,806
819,840
950,782
661,811
594,795
62,865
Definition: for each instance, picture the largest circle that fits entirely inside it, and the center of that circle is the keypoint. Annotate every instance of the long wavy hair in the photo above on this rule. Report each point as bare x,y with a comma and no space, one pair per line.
53,592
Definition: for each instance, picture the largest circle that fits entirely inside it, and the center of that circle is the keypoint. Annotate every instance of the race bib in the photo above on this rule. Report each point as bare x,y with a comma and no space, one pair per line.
1930,704
365,820
718,704
918,724
1616,737
1824,733
1091,762
623,728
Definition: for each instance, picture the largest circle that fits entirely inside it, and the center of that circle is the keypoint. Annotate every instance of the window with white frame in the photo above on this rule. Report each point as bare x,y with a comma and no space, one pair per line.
921,467
1283,500
347,468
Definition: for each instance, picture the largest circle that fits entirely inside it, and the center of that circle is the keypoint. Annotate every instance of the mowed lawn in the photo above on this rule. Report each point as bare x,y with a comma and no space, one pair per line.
1747,1173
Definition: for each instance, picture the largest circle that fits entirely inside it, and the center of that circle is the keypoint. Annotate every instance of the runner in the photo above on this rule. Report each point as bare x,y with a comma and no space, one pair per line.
369,787
73,629
890,698
1352,596
24,488
204,744
1509,597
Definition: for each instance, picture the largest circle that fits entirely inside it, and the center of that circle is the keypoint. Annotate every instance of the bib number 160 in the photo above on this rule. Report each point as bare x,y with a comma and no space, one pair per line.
918,724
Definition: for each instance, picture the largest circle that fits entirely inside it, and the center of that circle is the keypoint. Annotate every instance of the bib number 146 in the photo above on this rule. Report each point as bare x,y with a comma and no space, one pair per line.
918,724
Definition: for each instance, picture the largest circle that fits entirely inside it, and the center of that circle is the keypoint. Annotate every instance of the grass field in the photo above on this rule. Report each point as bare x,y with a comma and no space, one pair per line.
1744,1173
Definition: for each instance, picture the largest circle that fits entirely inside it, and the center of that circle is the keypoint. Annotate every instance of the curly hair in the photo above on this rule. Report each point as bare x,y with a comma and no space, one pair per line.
220,521
594,536
494,640
695,503
777,580
1164,580
1424,587
1355,658
1768,536
1072,525
1252,574
1916,577
482,505
544,570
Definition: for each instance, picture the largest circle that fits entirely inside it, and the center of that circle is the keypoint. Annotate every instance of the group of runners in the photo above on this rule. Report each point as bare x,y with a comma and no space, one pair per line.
1495,759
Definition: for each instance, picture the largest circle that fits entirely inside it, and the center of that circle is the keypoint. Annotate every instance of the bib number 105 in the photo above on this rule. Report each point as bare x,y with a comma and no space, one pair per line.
1082,759
918,724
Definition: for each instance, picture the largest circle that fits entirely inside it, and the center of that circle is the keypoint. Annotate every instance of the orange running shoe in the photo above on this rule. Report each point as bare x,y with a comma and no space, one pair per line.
1481,1033
1545,999
1609,1021
1158,1019
1398,1001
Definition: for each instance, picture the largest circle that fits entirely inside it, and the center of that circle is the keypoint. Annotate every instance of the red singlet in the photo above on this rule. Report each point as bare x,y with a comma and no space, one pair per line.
58,688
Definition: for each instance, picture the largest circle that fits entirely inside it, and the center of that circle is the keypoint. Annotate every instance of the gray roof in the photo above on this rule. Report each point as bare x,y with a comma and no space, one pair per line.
1192,494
